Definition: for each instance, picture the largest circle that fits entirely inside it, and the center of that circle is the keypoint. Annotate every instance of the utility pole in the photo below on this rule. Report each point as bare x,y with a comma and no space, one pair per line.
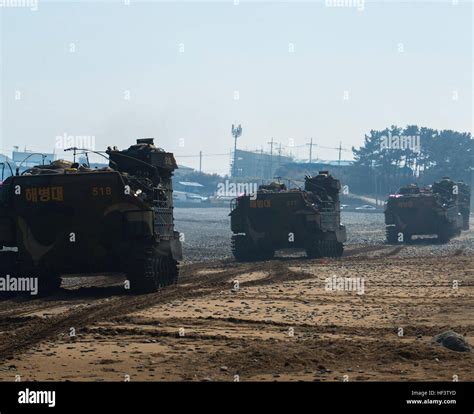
311,150
375,183
200,161
236,132
271,156
279,155
340,149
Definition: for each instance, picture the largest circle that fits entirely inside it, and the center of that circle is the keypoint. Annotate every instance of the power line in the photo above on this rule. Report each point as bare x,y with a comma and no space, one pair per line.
319,146
203,155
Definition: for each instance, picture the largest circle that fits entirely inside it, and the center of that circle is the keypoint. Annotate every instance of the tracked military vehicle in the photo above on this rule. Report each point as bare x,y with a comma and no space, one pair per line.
423,211
464,203
66,218
279,218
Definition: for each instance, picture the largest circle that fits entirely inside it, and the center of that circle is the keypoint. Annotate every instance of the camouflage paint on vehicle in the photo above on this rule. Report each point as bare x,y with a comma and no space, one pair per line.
67,218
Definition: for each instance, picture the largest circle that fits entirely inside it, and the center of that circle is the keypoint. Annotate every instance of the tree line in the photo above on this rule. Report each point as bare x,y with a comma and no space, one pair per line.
398,156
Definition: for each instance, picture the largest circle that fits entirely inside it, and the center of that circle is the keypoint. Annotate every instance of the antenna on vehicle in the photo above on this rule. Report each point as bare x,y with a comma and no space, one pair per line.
9,166
72,149
33,153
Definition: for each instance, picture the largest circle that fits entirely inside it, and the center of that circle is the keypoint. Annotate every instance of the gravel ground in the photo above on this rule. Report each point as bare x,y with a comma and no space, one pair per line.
204,328
207,235
282,323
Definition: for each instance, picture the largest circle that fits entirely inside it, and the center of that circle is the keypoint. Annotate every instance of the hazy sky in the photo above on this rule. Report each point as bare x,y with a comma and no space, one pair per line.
69,67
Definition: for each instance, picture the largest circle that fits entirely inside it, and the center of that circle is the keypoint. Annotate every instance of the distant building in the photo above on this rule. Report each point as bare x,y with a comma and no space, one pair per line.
188,187
4,158
185,169
260,164
336,163
180,173
297,170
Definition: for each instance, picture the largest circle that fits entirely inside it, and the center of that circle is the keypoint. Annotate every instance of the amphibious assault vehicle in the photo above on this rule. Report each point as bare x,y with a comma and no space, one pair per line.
464,203
67,218
424,211
279,218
